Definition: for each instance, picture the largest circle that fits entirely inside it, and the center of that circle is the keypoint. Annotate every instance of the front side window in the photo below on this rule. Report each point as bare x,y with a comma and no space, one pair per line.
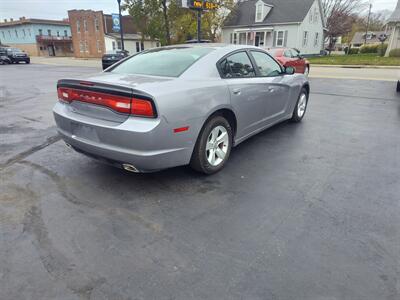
266,65
236,66
169,62
280,38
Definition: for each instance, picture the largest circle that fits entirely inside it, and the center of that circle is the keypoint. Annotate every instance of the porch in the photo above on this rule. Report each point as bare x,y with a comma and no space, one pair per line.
261,37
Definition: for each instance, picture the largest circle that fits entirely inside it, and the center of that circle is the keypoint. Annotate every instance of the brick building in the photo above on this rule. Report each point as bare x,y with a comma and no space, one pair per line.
92,34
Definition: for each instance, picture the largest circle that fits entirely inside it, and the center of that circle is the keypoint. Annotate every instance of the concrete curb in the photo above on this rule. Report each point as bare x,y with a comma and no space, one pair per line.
354,66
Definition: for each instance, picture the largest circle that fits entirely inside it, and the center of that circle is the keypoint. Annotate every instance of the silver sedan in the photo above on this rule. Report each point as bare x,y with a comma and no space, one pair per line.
178,105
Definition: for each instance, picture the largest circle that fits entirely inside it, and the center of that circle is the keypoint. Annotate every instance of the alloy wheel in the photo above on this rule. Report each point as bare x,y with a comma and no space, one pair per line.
217,145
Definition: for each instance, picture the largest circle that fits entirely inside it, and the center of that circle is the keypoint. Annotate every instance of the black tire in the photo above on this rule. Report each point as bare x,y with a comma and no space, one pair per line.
199,160
398,86
296,117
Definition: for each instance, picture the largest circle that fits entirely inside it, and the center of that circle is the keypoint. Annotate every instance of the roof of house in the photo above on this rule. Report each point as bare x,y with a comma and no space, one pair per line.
23,20
283,11
395,17
359,37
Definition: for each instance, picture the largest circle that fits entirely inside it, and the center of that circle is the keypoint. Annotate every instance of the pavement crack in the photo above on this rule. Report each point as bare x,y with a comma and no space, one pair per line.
354,96
20,156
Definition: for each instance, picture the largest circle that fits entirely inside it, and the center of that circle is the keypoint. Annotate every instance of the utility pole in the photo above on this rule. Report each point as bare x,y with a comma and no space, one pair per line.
121,30
369,15
199,25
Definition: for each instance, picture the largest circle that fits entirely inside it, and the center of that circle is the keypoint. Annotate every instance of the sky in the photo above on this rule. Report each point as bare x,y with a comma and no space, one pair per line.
57,9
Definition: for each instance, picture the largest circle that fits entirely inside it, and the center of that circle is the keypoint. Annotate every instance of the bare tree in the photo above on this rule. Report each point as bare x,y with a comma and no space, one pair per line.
340,16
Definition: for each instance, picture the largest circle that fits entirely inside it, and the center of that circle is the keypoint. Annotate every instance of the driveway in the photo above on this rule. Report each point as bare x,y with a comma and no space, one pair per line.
301,211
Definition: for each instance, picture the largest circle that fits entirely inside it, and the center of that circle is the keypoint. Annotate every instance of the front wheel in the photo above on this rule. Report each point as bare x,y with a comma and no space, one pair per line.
301,106
213,146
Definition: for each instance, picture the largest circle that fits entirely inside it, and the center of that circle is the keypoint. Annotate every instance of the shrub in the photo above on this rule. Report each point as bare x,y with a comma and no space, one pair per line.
394,53
353,51
369,48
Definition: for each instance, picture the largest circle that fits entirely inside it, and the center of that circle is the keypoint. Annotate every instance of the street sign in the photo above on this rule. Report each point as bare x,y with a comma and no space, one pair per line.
198,4
116,26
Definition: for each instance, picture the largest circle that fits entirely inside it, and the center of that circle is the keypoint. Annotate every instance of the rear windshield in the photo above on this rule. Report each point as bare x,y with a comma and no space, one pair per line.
169,62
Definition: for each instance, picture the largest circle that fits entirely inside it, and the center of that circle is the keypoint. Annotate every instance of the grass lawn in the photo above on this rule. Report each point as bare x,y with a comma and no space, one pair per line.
356,59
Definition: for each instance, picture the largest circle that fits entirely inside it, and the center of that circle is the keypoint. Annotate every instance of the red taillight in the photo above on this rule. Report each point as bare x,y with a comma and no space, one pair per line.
142,107
121,104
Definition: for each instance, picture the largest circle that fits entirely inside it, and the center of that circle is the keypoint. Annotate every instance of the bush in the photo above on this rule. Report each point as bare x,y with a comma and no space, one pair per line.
353,51
394,53
375,48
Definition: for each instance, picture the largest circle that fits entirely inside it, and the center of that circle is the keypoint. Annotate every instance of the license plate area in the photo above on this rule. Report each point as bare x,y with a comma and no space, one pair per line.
84,131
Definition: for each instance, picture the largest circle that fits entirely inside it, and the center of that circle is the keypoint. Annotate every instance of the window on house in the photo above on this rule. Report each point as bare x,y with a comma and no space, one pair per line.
85,25
280,37
23,32
259,11
86,47
158,44
98,46
316,40
49,32
65,33
310,15
315,15
113,45
81,46
119,45
96,24
29,31
137,47
9,33
78,26
4,35
305,38
58,33
16,33
141,46
235,38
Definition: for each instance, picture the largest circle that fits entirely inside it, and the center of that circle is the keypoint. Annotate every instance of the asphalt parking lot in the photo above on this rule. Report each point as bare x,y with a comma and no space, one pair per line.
302,211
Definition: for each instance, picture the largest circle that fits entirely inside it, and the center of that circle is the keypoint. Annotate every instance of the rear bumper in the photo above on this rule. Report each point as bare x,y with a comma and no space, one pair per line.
147,144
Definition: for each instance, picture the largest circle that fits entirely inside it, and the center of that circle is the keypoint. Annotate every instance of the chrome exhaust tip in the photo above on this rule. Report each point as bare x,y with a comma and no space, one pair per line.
130,168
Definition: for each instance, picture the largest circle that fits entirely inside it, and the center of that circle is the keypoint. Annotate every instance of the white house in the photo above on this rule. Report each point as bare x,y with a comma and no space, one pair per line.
277,23
132,42
393,28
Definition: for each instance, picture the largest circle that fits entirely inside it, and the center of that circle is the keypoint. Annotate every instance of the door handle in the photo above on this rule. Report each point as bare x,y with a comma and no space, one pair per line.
236,91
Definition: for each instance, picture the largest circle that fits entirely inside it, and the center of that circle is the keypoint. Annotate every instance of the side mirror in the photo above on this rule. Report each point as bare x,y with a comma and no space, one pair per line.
289,70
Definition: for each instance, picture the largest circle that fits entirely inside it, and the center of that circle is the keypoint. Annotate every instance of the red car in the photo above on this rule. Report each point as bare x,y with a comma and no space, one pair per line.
291,57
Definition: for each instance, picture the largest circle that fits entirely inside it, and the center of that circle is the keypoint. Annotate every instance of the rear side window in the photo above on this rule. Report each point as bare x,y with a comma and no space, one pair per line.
169,62
237,65
266,65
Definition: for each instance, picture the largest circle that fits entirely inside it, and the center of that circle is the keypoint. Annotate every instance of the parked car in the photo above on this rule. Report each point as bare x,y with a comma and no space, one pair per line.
112,57
4,60
291,57
178,105
16,55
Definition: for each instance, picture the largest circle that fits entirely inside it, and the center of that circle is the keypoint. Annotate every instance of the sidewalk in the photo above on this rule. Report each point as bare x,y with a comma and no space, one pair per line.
67,61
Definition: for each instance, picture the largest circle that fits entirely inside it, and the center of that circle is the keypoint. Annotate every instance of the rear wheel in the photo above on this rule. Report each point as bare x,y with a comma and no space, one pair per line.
213,146
301,106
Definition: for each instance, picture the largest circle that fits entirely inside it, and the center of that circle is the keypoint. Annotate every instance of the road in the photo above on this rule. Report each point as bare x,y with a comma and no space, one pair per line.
301,211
